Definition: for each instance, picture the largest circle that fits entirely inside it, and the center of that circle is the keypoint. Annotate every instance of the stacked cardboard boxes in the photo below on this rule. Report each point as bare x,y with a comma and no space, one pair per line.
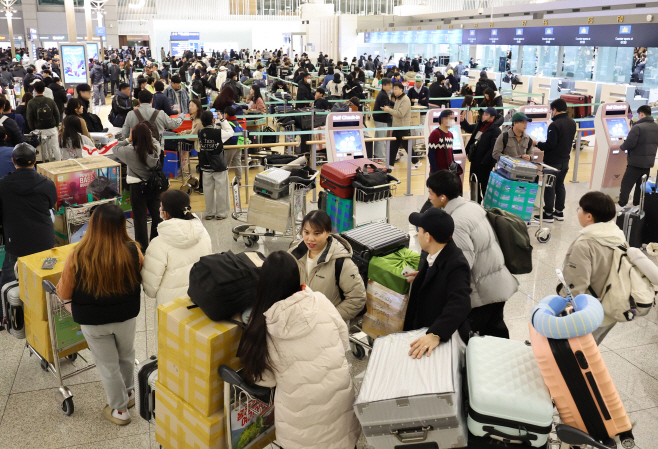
513,196
30,283
189,392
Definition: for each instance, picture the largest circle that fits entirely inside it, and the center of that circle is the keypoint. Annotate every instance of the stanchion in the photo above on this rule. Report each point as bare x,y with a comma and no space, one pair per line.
314,164
409,152
575,162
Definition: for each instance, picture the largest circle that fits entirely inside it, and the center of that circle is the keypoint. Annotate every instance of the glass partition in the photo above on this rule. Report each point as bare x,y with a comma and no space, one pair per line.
613,64
547,61
578,63
514,64
529,63
651,68
465,53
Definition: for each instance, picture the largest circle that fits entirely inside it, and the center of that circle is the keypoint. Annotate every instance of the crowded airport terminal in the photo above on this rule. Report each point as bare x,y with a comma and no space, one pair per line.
328,224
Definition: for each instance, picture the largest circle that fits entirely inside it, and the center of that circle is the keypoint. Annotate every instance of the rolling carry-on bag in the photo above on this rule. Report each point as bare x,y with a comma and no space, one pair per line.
506,393
304,121
516,169
581,386
272,183
146,373
404,402
12,310
650,231
633,220
578,111
338,177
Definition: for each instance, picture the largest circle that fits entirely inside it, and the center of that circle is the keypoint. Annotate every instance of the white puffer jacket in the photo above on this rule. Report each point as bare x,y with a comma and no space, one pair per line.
314,395
170,256
491,281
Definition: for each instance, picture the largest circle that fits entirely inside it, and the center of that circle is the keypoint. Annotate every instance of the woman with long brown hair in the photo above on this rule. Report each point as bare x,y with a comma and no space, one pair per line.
141,152
101,282
195,109
225,98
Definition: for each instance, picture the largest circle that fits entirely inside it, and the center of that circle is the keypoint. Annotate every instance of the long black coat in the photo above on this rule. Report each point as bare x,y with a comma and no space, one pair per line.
480,153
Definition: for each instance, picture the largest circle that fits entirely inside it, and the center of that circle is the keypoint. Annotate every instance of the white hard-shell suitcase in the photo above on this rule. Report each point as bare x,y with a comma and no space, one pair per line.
508,398
272,182
413,402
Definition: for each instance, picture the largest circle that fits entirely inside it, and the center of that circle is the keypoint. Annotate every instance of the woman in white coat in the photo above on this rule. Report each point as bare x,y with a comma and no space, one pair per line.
296,341
181,242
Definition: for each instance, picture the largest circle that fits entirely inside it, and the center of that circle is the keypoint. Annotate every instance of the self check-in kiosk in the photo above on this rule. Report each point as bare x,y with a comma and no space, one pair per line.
609,161
344,136
538,128
432,122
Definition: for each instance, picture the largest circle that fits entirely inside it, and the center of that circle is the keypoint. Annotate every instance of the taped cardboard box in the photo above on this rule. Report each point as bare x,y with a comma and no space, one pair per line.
268,213
31,277
385,310
37,334
191,347
178,425
80,181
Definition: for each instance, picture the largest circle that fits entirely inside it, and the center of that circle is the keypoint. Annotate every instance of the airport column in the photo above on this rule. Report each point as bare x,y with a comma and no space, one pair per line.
9,12
88,26
69,7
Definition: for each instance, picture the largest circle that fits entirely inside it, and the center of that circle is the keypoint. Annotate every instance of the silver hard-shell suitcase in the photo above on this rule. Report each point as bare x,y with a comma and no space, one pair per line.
413,402
12,309
517,169
272,183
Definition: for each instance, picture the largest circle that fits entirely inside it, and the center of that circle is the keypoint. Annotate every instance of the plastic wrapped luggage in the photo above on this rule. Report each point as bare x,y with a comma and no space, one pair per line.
517,169
506,392
146,373
338,177
581,386
578,111
272,182
415,403
650,231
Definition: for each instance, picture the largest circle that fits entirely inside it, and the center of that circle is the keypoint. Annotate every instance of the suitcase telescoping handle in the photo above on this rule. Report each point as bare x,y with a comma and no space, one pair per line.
573,436
560,277
496,434
404,435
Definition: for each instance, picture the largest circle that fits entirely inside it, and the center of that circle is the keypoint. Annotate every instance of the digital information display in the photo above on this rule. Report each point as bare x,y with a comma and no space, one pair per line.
537,131
182,36
408,37
92,50
73,64
348,141
617,127
179,48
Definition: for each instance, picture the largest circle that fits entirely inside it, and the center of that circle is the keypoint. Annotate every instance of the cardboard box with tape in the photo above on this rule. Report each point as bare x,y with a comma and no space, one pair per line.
385,310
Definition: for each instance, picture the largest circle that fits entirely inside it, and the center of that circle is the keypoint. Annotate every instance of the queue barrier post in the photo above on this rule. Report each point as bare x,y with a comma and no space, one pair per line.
575,162
409,152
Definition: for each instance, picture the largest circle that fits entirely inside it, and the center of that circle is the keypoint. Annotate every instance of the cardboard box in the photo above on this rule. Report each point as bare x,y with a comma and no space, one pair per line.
178,425
37,334
386,310
191,347
31,277
80,181
268,213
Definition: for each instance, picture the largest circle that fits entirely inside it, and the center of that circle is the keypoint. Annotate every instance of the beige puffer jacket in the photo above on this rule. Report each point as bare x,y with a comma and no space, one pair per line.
589,258
401,111
314,394
323,277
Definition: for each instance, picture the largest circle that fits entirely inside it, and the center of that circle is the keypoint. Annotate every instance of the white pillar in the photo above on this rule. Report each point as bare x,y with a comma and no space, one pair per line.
88,24
69,7
11,34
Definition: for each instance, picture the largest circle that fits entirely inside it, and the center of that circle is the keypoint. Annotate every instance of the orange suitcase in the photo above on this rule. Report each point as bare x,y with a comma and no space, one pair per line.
581,386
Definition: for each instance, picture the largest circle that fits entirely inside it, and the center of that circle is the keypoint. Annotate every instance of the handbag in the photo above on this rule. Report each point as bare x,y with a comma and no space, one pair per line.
454,167
366,184
156,184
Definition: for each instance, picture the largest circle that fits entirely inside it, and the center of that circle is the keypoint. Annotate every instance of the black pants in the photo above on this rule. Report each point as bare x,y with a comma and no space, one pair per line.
488,320
396,144
632,177
554,196
113,84
482,172
140,205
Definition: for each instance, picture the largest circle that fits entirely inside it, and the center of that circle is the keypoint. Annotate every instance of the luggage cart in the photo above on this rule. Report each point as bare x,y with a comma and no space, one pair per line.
189,182
298,188
546,179
59,320
249,411
373,203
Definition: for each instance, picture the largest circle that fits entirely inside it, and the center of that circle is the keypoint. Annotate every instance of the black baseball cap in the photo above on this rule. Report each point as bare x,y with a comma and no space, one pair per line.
24,154
435,221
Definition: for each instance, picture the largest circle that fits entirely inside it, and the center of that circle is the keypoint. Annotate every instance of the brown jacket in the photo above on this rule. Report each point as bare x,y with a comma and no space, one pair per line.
401,111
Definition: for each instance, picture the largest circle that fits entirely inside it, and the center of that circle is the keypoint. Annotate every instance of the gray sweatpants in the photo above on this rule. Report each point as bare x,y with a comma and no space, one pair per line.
49,148
380,146
99,95
113,348
234,159
215,191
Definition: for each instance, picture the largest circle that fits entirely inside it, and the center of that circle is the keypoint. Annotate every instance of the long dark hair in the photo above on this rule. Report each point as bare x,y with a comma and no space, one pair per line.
142,142
71,129
177,204
257,93
468,101
71,106
492,97
254,354
199,108
225,98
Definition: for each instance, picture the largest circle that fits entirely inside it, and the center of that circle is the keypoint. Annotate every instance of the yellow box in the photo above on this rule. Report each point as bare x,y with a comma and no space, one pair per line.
178,425
386,310
37,334
191,347
31,277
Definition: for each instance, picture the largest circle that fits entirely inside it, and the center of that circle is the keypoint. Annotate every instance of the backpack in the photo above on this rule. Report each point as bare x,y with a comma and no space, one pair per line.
237,140
156,184
627,292
94,124
225,284
150,123
506,139
45,116
341,107
198,89
513,238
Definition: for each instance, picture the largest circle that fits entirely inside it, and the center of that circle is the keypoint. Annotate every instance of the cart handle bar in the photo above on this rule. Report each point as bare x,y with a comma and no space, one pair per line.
412,137
231,377
369,139
49,287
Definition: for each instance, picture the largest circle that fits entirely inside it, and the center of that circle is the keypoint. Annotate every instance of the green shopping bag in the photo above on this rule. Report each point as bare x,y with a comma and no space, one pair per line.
387,270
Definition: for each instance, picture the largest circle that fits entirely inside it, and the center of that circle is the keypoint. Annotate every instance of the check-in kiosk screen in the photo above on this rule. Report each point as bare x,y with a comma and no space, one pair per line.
456,141
537,131
617,127
348,141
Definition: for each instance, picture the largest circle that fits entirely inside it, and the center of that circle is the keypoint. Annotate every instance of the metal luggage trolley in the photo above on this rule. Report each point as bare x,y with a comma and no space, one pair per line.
373,203
188,180
59,322
249,411
298,189
546,179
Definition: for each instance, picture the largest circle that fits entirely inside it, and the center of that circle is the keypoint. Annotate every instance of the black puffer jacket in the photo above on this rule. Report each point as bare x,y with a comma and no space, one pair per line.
559,140
479,152
641,143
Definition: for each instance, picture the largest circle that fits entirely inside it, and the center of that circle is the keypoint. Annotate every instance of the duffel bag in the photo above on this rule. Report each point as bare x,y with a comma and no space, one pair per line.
225,284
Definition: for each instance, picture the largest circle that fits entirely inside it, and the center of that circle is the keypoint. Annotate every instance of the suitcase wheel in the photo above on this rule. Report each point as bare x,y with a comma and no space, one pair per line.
358,352
186,188
193,181
543,235
44,365
72,357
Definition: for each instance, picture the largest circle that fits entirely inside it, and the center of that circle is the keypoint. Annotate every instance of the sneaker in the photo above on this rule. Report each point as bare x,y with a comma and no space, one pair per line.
220,218
116,417
131,398
546,217
209,217
558,215
417,166
620,208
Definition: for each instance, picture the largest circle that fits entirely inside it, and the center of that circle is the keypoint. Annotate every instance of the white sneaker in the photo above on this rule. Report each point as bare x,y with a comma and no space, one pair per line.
620,209
124,416
417,166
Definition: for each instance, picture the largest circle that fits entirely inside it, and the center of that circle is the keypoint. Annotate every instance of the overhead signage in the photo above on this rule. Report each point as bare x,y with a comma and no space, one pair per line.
185,36
33,34
415,37
100,32
179,48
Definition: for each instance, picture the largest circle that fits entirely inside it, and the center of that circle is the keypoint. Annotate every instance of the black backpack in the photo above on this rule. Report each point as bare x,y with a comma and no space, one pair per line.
45,116
198,89
156,184
150,123
225,284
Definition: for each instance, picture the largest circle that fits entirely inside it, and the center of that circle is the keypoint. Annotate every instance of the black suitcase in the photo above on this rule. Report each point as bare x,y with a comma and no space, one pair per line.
633,221
146,373
489,443
322,200
650,231
303,122
376,239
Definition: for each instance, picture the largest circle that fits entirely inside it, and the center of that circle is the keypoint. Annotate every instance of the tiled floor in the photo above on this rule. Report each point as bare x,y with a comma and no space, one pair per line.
30,416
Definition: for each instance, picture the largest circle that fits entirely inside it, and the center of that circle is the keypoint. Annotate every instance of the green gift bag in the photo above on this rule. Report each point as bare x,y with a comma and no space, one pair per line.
387,270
